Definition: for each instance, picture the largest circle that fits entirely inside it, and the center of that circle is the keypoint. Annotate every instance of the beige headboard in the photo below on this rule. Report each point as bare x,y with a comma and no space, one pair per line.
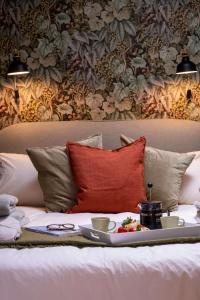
174,135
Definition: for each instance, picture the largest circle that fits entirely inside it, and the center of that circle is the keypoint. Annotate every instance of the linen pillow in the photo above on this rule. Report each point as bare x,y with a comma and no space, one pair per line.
108,181
18,177
165,170
54,174
190,189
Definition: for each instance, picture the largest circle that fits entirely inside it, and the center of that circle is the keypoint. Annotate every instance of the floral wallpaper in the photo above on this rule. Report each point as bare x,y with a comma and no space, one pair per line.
99,60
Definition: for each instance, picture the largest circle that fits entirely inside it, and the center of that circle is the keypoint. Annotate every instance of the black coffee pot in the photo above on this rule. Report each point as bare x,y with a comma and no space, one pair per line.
151,211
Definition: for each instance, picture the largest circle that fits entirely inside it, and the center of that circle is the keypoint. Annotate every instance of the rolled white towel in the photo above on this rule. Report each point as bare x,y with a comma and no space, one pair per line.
19,215
10,229
7,204
10,226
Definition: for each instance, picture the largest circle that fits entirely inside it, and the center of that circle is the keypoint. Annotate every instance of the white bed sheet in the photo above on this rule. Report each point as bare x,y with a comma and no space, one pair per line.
68,273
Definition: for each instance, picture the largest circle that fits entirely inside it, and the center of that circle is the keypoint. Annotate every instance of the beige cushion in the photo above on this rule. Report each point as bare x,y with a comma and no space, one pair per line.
190,189
18,177
55,176
165,170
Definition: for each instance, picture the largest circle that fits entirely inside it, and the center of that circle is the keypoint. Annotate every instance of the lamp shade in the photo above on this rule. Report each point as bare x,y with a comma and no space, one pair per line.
17,67
186,66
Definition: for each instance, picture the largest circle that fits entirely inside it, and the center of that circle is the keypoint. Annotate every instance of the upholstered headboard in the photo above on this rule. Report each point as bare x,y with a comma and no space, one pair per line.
168,134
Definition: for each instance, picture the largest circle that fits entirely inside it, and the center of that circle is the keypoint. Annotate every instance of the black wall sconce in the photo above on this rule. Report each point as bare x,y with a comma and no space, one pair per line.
185,67
17,68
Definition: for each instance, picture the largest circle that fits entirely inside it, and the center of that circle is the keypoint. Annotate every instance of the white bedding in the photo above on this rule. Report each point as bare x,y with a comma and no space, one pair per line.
68,273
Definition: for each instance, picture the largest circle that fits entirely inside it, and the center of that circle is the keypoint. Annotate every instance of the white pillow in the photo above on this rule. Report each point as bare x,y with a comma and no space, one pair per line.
18,177
190,190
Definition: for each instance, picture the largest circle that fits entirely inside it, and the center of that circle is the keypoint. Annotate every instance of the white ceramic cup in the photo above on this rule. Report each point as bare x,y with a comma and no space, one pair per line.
102,223
172,222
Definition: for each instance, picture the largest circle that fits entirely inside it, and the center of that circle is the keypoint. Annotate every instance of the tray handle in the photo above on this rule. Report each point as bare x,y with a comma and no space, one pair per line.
94,235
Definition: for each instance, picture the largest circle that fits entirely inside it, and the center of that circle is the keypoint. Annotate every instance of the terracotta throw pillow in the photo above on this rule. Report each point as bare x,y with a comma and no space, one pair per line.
165,169
108,181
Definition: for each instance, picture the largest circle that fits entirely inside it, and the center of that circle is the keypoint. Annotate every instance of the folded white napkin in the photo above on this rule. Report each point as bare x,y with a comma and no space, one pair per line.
7,204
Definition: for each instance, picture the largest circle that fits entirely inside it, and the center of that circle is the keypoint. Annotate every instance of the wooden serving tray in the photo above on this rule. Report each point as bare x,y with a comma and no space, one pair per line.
112,238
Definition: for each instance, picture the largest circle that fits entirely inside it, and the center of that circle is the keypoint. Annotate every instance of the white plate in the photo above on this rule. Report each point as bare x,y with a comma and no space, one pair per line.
112,238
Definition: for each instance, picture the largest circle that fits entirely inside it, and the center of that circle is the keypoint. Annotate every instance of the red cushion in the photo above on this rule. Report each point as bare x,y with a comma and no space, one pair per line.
108,181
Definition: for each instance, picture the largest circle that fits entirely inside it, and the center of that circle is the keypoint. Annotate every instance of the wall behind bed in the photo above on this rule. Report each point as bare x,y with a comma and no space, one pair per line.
99,59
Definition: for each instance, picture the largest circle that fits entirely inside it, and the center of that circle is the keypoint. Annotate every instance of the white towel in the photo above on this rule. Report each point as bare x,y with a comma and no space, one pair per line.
10,226
10,229
7,204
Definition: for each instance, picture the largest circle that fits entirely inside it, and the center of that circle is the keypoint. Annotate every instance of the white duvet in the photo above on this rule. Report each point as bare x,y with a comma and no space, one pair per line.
68,273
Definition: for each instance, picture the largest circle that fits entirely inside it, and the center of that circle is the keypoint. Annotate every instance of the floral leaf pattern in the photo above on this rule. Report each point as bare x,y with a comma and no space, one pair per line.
99,60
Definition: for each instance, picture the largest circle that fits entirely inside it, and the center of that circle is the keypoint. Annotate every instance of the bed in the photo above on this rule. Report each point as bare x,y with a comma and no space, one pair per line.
68,272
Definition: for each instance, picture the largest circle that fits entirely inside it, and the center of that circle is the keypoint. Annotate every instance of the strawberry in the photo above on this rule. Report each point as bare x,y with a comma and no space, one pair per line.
131,229
121,229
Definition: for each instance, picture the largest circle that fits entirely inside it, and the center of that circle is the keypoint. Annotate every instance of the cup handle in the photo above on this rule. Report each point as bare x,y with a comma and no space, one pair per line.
181,222
114,225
